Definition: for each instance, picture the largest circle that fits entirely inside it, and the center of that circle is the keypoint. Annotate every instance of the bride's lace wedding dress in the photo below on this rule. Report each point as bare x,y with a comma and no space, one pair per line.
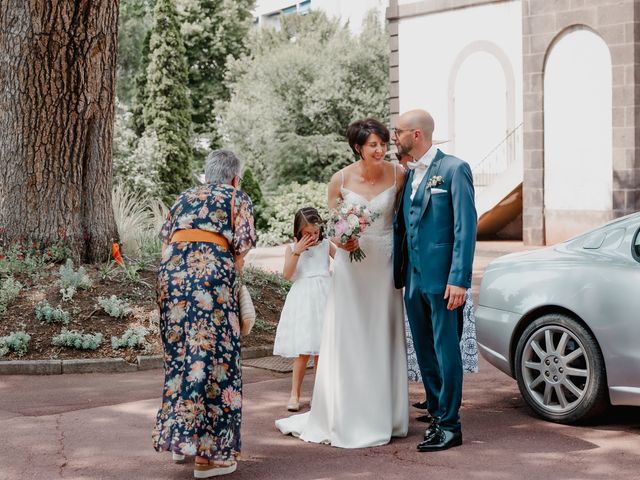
360,398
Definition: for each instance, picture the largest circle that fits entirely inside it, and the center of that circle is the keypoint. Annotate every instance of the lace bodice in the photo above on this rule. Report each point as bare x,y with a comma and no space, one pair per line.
313,262
380,232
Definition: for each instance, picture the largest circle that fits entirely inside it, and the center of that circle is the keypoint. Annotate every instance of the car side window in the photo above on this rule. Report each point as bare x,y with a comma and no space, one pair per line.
636,245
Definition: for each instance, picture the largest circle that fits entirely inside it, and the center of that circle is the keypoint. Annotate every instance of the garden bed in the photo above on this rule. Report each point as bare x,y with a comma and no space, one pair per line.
134,284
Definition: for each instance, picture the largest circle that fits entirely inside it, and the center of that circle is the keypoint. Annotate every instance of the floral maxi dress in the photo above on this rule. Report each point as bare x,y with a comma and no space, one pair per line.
202,395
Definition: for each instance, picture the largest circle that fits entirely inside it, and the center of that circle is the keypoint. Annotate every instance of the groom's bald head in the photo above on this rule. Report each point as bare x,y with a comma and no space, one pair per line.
413,133
419,120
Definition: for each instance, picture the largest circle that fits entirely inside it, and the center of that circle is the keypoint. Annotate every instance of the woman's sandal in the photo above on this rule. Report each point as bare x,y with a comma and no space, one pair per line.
207,470
294,404
178,457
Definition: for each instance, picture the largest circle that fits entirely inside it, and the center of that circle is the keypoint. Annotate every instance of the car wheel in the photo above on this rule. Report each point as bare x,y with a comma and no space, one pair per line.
560,370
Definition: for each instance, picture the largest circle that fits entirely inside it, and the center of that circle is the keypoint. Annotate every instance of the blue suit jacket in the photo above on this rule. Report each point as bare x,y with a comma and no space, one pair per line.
444,237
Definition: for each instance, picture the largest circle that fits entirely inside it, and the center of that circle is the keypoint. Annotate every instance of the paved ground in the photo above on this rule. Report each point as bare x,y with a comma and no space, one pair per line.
98,426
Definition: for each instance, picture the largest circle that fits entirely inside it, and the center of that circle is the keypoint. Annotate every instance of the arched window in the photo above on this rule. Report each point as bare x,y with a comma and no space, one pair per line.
577,126
480,105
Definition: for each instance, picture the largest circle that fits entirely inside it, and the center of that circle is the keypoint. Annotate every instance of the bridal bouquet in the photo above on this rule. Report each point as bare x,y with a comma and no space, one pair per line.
349,222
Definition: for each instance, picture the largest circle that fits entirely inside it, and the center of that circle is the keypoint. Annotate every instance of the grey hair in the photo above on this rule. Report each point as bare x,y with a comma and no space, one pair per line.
221,166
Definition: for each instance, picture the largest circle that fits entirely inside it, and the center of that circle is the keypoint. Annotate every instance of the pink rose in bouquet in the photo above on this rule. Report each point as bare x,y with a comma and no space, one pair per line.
348,222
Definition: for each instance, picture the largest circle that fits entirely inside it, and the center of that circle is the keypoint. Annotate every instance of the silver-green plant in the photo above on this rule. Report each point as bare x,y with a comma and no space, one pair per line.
71,280
77,340
114,306
9,290
108,270
138,219
133,337
15,341
46,313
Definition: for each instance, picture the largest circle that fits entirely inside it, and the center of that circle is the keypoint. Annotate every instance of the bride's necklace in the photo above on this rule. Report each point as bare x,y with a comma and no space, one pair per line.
370,181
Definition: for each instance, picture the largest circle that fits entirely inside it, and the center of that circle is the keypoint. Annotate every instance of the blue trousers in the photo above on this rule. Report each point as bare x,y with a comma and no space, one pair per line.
435,332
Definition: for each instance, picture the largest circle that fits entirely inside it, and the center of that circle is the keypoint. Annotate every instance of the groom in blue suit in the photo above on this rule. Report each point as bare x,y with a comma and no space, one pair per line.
434,242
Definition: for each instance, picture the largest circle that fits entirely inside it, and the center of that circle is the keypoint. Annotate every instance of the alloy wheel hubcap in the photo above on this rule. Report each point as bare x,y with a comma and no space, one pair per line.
555,369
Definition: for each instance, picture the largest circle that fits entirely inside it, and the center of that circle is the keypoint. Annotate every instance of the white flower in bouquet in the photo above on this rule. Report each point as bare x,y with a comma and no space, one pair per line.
348,222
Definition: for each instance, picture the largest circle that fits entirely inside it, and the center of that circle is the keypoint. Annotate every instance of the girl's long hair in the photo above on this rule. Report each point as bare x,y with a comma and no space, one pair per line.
307,216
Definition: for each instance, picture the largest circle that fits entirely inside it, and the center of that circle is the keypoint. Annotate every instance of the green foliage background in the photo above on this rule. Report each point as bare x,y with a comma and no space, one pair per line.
295,93
194,75
167,111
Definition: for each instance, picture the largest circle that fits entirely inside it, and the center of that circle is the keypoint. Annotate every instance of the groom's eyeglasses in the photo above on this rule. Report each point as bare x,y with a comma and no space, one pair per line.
398,131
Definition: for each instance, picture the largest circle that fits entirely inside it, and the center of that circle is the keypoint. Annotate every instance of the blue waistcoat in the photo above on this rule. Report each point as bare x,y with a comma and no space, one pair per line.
435,234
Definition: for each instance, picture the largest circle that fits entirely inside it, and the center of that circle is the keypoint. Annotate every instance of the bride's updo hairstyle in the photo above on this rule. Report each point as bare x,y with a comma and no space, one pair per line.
359,131
307,216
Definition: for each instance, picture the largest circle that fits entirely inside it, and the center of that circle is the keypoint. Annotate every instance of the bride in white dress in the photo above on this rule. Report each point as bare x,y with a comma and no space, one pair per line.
360,398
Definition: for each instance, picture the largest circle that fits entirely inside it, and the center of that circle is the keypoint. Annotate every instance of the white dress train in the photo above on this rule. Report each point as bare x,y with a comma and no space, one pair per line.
360,397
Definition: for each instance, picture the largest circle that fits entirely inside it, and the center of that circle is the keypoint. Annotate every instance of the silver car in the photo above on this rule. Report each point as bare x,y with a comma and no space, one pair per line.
564,321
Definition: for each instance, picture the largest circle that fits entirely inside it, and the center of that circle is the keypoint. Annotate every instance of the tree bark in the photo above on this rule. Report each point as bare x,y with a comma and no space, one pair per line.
57,94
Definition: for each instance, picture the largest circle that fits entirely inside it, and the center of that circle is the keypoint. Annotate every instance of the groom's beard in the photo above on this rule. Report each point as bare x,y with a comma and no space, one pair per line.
404,149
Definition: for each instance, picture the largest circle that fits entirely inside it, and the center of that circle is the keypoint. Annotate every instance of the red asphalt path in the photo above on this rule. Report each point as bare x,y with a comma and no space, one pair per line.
98,426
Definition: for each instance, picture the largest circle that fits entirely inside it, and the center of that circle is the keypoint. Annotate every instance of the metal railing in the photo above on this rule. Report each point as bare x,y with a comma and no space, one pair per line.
498,160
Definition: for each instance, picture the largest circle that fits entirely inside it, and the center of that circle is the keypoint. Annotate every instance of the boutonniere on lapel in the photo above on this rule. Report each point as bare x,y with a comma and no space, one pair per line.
435,181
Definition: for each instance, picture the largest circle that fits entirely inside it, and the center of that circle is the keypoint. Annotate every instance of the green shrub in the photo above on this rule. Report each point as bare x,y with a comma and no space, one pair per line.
251,187
77,340
303,84
114,307
283,206
133,337
9,290
46,313
71,280
264,327
15,341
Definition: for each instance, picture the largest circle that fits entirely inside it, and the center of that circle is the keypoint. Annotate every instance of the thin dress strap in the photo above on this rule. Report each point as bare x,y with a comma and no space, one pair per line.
342,175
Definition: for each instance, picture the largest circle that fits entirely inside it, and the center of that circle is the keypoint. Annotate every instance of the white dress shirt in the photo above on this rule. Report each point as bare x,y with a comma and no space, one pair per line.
421,168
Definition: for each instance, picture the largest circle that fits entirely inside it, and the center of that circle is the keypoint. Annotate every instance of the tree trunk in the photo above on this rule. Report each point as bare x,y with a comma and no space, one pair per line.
57,93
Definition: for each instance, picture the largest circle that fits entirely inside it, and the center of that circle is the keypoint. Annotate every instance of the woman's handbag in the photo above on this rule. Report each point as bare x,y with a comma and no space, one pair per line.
245,304
247,311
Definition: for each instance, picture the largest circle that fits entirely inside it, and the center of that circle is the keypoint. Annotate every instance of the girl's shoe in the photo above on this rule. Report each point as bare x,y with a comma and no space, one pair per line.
177,457
209,470
294,404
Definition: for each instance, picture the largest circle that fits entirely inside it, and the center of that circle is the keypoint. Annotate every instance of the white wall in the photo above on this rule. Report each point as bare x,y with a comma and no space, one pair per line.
430,47
578,124
480,107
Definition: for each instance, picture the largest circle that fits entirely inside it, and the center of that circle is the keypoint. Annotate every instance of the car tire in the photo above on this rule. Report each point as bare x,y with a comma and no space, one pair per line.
560,370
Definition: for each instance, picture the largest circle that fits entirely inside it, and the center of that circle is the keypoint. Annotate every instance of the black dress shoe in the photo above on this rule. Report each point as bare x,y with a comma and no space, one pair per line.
431,430
441,440
420,405
426,418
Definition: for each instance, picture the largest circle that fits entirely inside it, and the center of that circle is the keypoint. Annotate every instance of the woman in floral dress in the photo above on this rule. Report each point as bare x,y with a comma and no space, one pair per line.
202,251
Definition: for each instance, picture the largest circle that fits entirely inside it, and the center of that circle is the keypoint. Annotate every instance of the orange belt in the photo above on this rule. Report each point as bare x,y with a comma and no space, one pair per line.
197,235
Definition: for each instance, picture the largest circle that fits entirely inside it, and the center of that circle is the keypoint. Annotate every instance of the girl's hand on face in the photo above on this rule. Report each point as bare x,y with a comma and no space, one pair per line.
303,244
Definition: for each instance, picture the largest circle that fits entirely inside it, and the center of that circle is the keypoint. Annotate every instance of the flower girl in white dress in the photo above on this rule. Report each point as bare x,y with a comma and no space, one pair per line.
300,328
